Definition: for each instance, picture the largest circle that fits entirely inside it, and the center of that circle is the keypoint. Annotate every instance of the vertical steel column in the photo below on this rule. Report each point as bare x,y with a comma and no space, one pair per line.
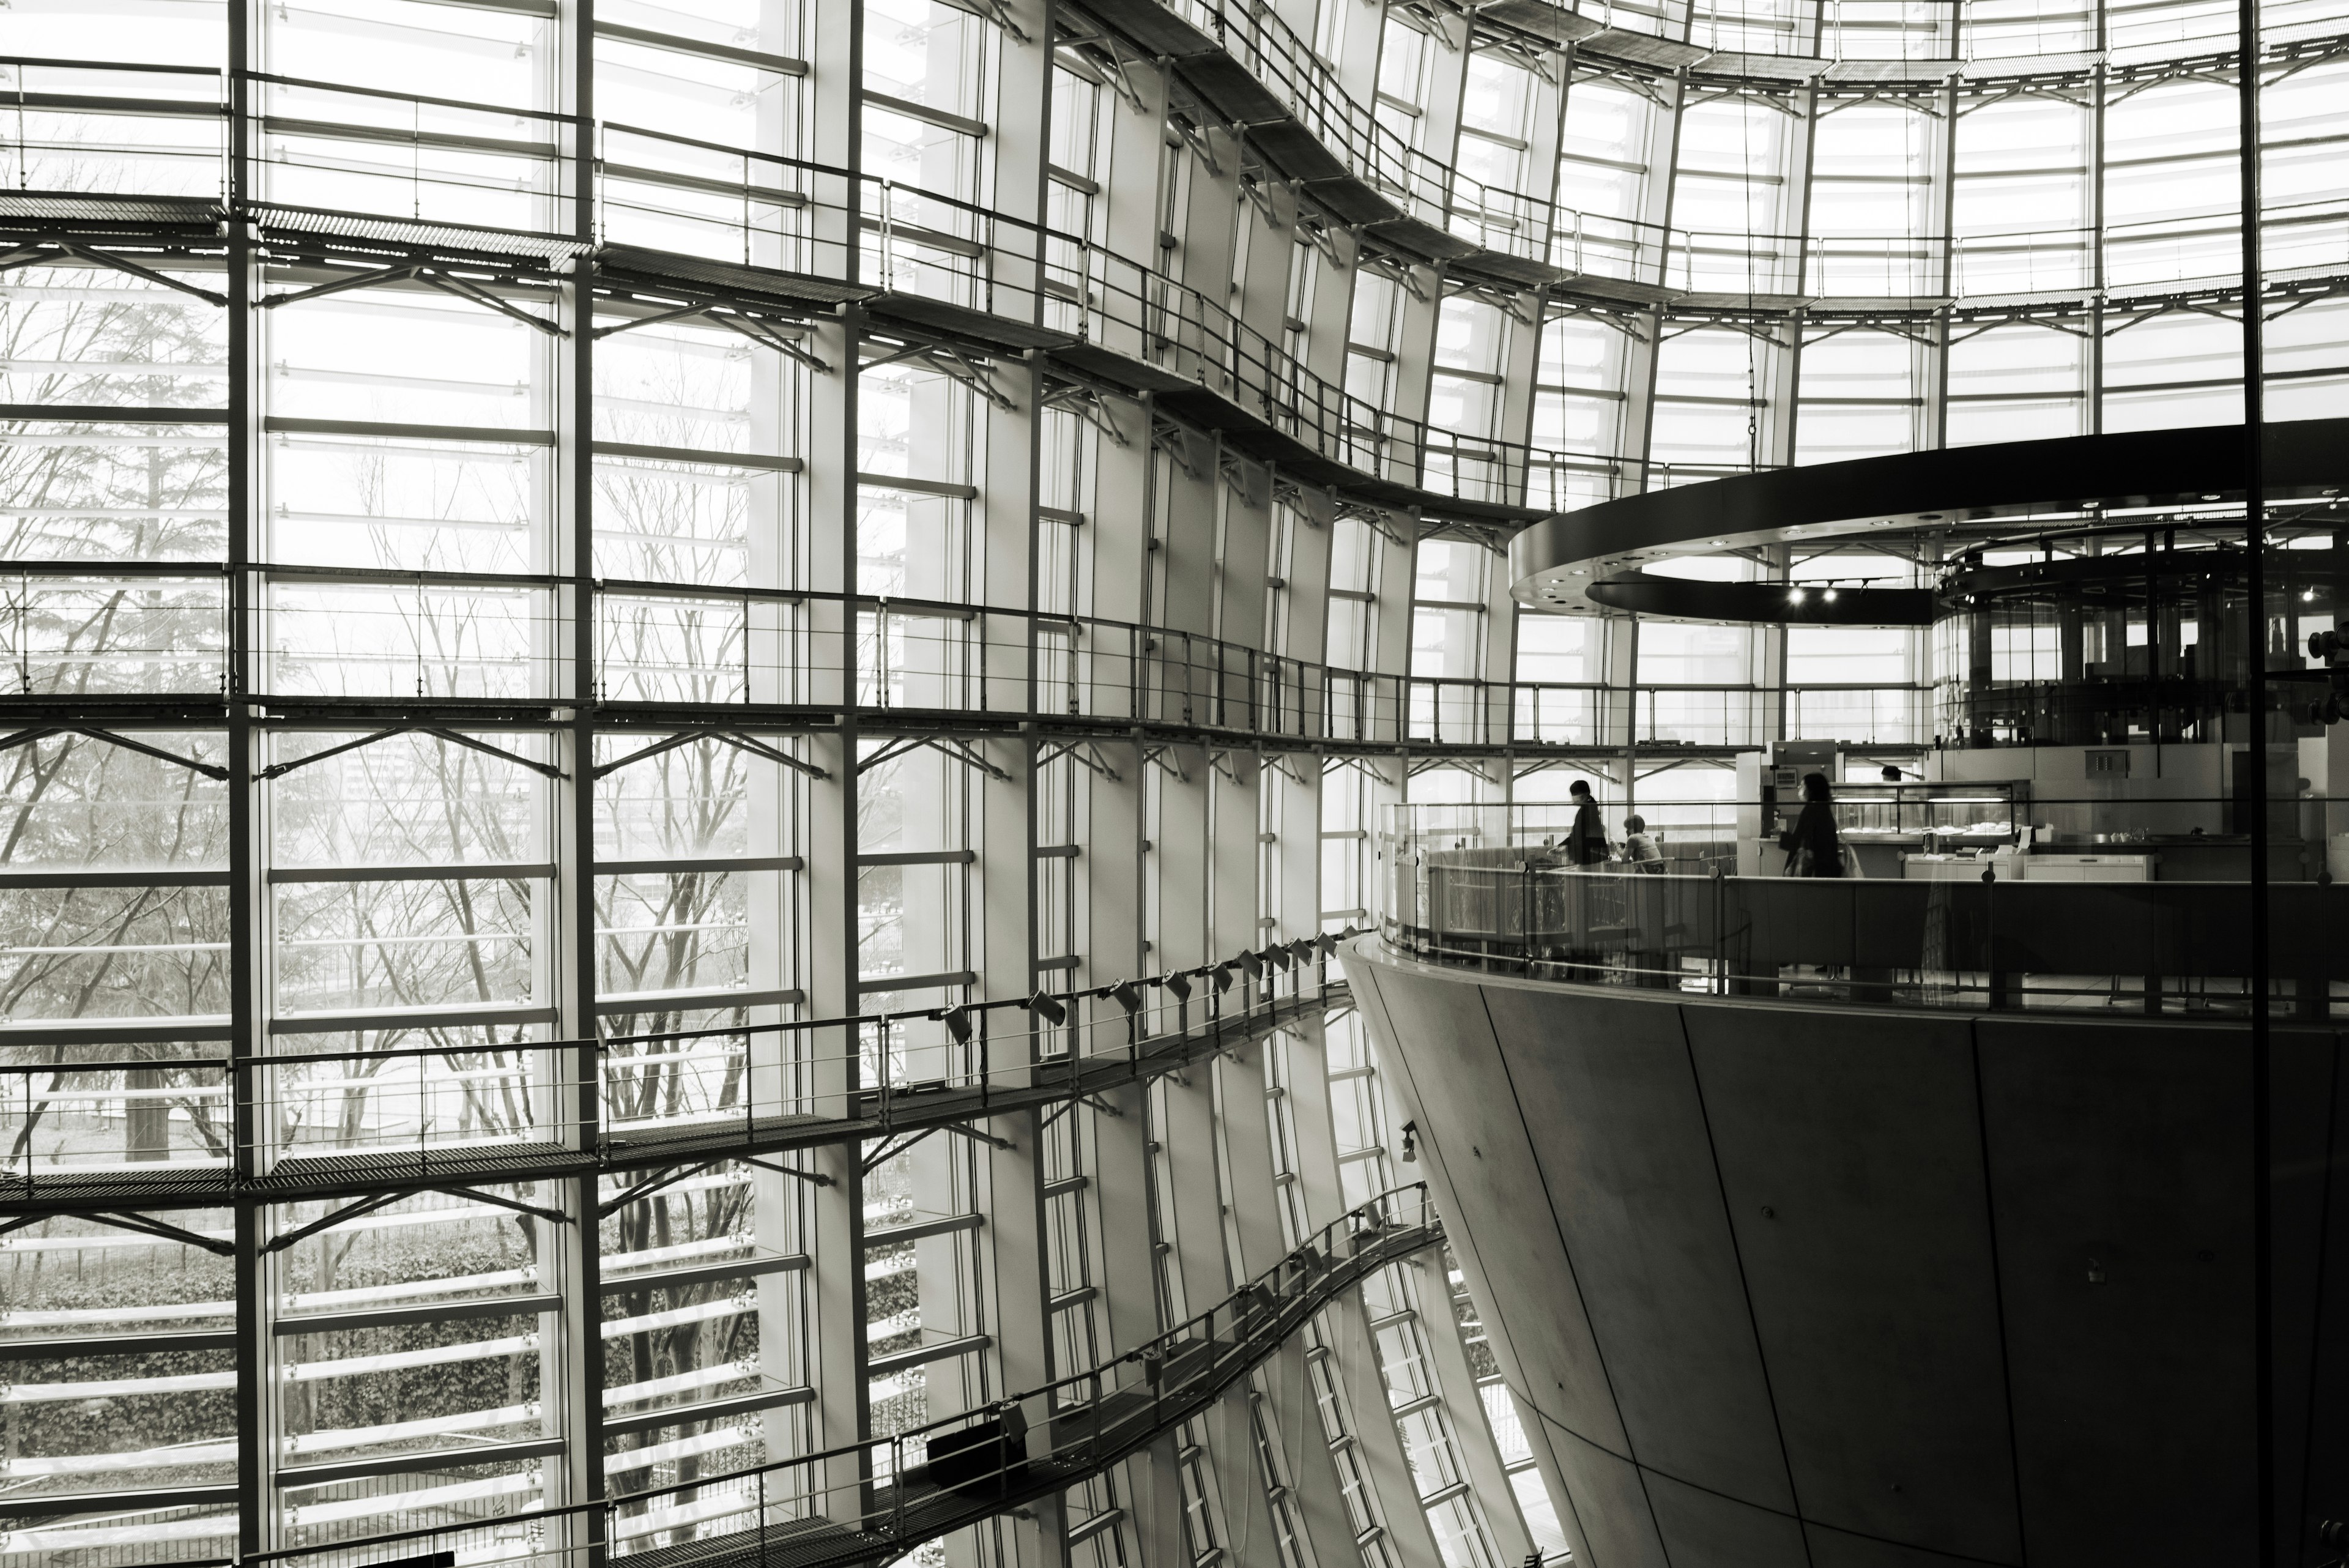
1421,305
1293,861
1193,1149
256,1383
2261,1063
2099,87
779,646
1312,1124
1520,370
1206,247
1520,365
1112,671
1019,1292
1392,575
1262,255
1129,1300
1183,566
1933,373
1781,388
576,1358
1330,307
1247,1144
1331,314
1773,649
835,1239
1647,339
1015,1266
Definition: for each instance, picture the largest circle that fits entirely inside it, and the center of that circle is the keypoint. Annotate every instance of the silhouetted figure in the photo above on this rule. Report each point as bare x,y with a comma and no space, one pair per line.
1813,847
1586,841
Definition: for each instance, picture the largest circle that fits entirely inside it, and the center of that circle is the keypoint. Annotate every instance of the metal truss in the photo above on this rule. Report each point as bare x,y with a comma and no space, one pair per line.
53,248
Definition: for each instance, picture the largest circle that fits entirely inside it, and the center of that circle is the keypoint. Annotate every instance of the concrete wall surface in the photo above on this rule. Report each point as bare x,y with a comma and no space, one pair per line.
1790,1286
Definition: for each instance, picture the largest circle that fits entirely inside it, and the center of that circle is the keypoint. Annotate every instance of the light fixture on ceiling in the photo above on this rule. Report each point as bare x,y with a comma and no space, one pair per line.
1794,595
1829,596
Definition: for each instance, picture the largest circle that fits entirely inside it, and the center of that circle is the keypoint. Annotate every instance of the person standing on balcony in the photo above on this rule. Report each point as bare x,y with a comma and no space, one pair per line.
1813,846
1586,841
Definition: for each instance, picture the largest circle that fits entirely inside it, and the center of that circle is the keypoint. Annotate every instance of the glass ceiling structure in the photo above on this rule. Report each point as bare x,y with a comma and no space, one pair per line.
597,599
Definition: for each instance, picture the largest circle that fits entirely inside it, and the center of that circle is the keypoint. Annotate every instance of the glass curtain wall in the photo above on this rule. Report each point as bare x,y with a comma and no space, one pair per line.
586,588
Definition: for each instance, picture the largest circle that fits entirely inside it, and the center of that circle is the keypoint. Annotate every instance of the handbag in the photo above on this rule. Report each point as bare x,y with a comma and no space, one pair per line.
1798,854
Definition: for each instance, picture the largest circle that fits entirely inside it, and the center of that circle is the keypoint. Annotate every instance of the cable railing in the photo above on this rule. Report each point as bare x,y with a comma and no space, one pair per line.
477,1108
324,148
774,211
89,132
878,1498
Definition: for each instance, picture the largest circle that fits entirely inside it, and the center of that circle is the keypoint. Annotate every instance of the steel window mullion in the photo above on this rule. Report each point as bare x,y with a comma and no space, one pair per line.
256,1271
2095,175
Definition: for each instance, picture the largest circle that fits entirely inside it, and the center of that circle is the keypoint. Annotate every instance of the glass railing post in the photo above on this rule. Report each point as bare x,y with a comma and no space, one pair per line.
1720,923
1994,977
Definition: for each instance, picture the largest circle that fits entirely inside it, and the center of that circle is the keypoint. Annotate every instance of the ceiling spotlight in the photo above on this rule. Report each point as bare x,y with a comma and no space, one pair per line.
2208,495
2307,595
1718,542
1794,594
1578,572
1829,596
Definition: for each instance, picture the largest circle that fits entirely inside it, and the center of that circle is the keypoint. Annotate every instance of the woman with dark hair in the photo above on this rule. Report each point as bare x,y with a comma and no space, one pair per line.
1811,846
1586,841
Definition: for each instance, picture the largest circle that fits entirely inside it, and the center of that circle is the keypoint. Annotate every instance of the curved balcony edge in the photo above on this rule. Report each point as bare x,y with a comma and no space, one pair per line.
1371,181
1553,563
1787,1285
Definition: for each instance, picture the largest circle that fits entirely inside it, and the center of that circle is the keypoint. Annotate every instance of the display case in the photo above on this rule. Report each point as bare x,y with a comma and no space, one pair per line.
1936,818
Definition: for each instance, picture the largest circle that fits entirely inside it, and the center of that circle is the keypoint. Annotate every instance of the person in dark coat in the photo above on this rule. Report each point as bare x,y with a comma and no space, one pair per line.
1586,841
1813,847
